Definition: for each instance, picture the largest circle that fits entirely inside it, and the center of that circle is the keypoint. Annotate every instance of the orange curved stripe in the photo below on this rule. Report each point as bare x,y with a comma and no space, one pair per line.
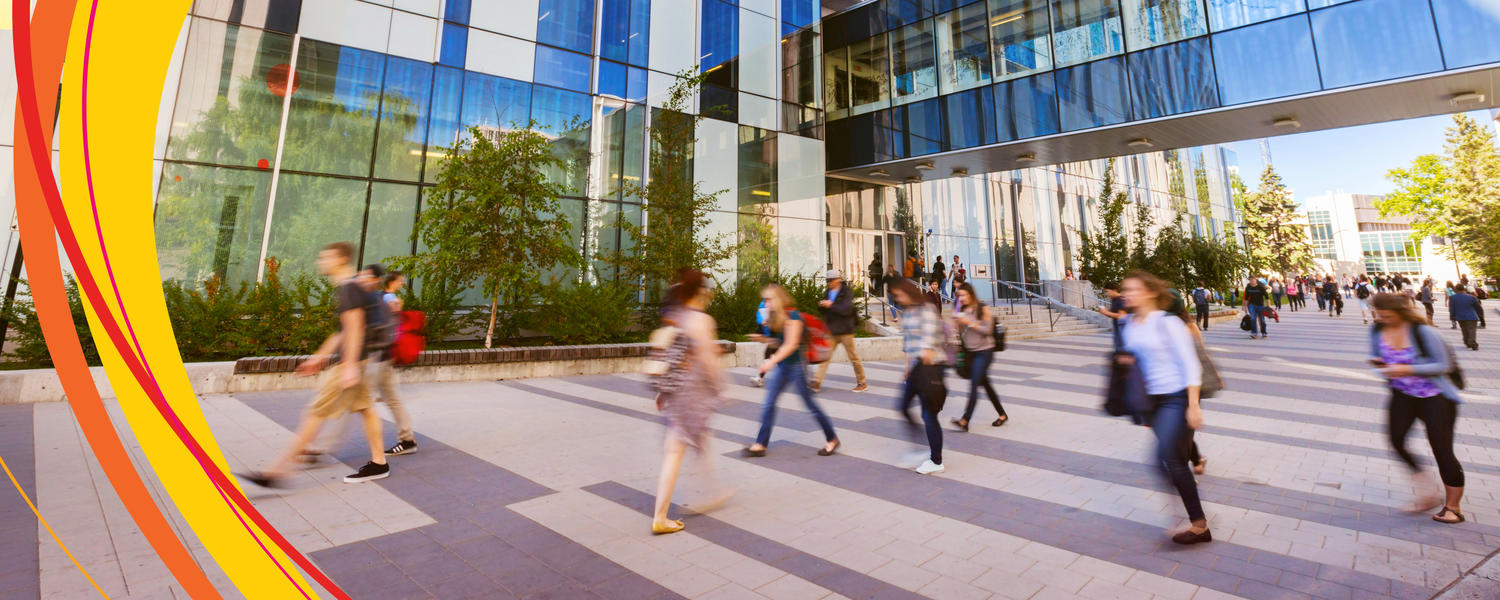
59,541
51,21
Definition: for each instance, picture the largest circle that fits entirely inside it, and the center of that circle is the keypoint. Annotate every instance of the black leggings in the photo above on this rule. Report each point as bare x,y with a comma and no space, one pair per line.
1438,414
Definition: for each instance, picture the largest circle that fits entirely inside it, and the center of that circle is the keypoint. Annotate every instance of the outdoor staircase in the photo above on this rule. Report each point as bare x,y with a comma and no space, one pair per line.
1021,326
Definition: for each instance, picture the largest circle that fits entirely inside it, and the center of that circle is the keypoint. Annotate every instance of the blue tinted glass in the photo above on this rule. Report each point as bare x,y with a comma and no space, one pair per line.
455,45
612,79
1269,60
442,128
923,124
721,33
1092,94
614,31
640,32
555,110
1172,79
971,118
1224,14
566,23
561,68
458,11
905,12
1026,107
1350,51
494,102
799,13
1469,31
403,119
1323,3
635,84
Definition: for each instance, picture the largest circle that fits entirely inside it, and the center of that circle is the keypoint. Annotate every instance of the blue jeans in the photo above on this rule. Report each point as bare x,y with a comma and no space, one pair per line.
1169,423
890,302
784,373
1257,315
979,376
934,432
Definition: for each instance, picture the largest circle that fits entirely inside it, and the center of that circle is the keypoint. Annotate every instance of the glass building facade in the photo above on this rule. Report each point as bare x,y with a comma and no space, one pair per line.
899,73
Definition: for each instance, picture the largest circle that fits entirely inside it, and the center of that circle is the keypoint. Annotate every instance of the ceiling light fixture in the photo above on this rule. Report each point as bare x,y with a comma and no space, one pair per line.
960,172
879,173
924,166
1140,143
1286,123
913,178
1026,158
1467,98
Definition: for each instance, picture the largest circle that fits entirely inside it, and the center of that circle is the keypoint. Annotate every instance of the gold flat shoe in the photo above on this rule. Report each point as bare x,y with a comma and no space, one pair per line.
670,527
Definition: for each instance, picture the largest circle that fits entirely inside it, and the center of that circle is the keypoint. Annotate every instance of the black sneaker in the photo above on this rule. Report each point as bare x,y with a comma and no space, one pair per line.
369,472
402,447
261,479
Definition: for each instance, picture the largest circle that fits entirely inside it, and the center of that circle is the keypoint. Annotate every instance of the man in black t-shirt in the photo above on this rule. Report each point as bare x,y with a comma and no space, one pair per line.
1255,306
342,389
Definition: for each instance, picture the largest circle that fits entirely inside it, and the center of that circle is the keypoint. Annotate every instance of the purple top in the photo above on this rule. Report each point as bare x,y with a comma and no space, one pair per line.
1411,385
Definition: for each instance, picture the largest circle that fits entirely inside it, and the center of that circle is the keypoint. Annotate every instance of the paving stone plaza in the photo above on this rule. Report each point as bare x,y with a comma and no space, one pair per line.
543,488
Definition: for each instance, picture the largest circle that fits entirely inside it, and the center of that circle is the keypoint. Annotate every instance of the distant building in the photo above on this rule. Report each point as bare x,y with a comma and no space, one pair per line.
1349,237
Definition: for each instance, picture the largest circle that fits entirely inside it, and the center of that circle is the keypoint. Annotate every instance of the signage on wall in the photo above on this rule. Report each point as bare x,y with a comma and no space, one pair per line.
980,271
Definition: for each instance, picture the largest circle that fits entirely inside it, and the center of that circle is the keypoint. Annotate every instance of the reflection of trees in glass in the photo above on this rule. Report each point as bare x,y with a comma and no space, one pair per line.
906,223
757,257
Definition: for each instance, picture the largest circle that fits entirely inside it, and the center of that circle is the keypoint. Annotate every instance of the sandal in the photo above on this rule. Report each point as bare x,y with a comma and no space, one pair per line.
671,527
1457,516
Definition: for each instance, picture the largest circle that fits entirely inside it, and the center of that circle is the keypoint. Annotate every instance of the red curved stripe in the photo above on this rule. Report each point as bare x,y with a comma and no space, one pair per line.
43,169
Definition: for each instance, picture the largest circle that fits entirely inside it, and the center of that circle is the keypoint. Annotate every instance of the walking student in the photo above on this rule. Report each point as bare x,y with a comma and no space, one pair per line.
1167,358
1278,290
922,341
385,379
1331,293
1415,362
343,388
976,330
692,404
1425,297
1254,305
786,366
1201,301
1464,309
1362,292
838,313
939,275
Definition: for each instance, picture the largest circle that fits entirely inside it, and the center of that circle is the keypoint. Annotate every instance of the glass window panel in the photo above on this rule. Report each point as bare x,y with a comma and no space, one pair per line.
913,63
720,41
403,119
443,124
1268,60
869,75
1026,107
1085,29
492,103
614,30
1019,34
457,11
565,118
388,227
1469,31
758,259
1172,79
310,212
1154,22
760,46
964,48
1224,14
899,13
331,126
1092,94
228,106
623,82
601,234
799,13
275,15
209,221
640,32
623,150
455,45
757,168
719,102
923,124
1323,3
971,118
561,68
566,24
799,74
836,86
1349,54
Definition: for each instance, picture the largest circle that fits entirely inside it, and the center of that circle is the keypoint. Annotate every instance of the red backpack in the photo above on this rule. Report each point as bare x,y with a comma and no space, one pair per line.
819,340
411,337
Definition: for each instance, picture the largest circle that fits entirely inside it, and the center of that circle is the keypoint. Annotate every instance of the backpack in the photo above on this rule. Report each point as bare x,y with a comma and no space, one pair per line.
411,337
1362,291
1455,373
1480,293
1200,297
380,324
816,339
999,333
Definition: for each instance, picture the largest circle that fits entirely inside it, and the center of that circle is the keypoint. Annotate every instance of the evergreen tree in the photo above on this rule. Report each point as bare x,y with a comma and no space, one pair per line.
1276,243
1104,255
1474,193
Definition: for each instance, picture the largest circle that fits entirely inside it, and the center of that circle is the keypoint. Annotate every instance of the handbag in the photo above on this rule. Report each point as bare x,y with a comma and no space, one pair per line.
930,386
1212,383
1126,393
1246,324
665,367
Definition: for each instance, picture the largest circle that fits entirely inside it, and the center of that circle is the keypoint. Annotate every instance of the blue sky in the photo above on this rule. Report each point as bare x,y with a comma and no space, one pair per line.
1354,159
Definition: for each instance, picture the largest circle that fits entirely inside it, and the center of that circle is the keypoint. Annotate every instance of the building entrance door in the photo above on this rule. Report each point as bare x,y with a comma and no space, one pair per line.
861,248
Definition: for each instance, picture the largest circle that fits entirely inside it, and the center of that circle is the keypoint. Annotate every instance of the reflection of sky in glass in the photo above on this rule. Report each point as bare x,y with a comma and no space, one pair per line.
407,83
357,82
553,109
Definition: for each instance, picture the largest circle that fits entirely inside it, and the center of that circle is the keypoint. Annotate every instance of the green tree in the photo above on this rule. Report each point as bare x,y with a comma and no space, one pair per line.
1104,255
1141,246
1276,243
1474,193
1218,264
495,217
675,231
1171,256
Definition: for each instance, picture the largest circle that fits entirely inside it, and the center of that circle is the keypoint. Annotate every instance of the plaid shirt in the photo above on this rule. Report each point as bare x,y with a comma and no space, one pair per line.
920,330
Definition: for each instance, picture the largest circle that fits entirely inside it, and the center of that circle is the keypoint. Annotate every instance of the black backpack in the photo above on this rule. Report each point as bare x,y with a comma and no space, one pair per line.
1455,372
1362,291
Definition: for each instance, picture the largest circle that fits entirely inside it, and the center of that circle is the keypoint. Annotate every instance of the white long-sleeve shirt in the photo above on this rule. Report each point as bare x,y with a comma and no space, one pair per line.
1164,347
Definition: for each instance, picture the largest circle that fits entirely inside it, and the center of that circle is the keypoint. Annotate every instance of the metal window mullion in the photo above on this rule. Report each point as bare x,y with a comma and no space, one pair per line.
286,107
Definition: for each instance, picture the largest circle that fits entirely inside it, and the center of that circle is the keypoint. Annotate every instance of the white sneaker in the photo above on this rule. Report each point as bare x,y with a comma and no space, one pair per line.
928,467
758,381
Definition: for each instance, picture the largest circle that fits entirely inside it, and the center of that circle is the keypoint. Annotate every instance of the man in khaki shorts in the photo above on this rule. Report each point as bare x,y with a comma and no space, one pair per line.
342,389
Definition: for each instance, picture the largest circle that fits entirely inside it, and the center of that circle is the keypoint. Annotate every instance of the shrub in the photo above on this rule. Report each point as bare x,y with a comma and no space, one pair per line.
587,312
30,346
734,310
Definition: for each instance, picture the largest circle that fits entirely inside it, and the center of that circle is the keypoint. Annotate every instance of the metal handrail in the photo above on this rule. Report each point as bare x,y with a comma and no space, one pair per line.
1094,299
1053,316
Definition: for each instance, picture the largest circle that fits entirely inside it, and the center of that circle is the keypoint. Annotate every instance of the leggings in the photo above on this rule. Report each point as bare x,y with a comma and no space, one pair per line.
1438,414
1169,423
933,431
979,376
